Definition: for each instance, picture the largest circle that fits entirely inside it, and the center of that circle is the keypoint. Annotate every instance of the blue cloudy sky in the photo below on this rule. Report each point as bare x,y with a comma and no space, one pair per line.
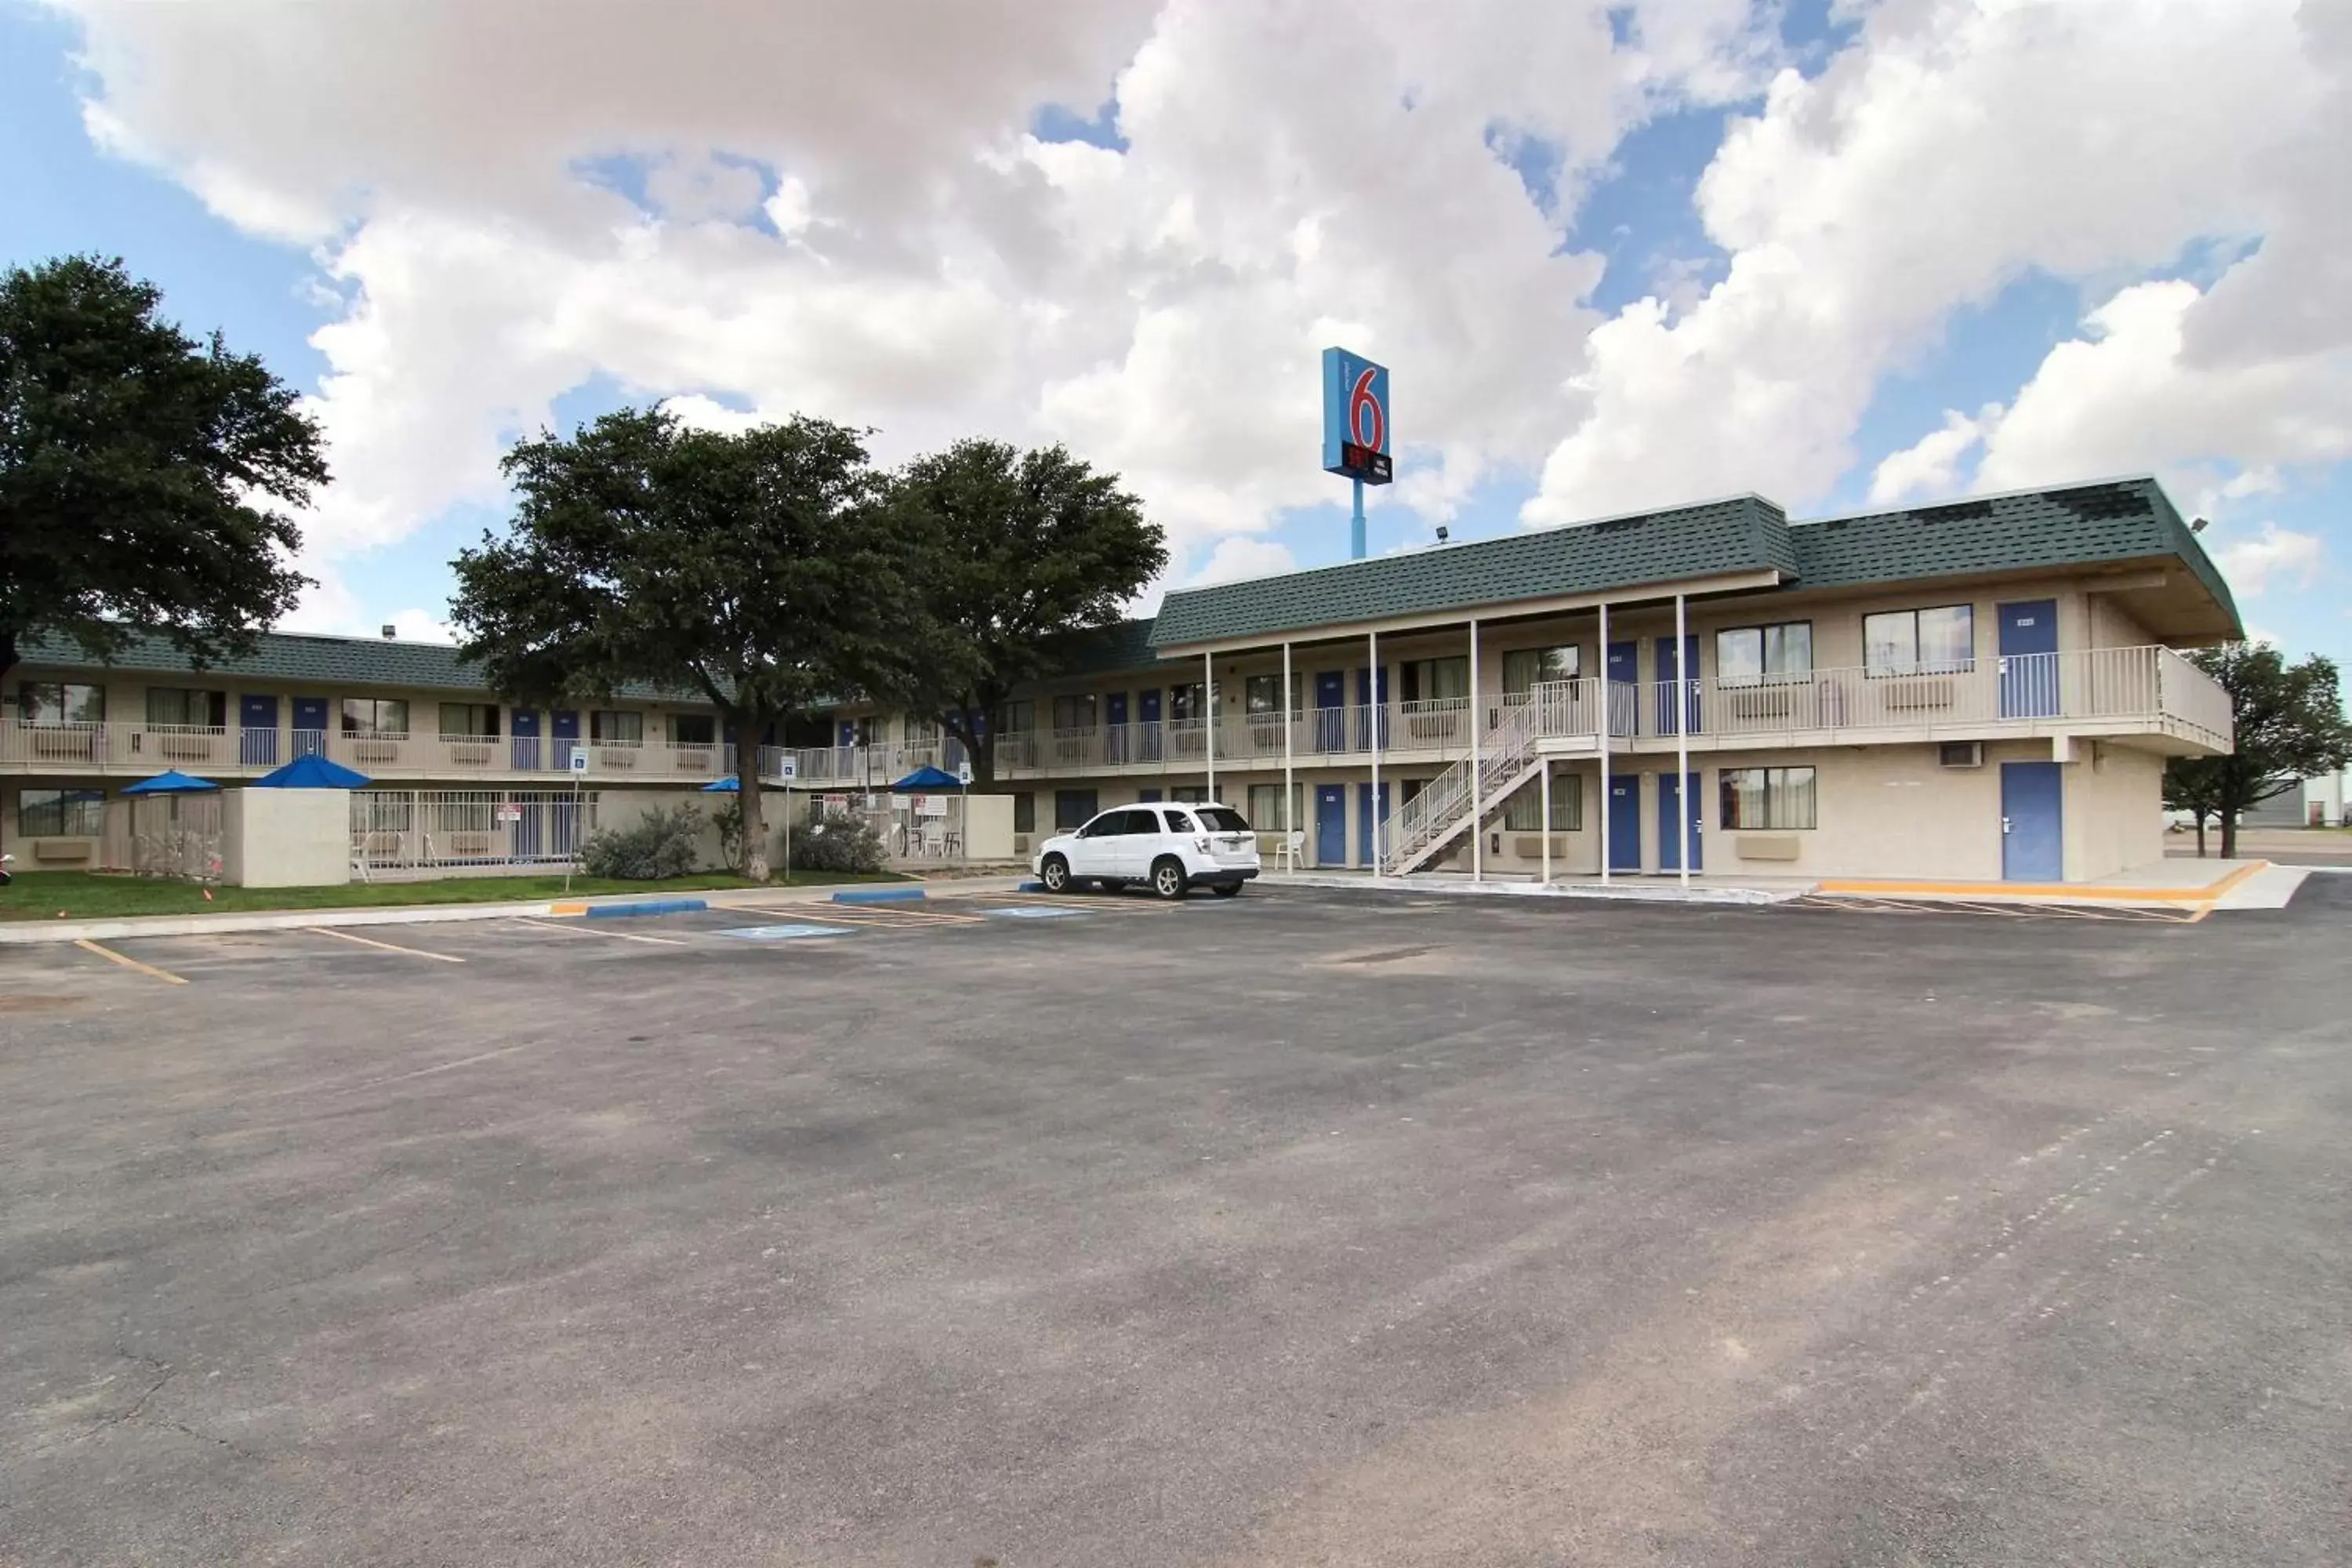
1843,253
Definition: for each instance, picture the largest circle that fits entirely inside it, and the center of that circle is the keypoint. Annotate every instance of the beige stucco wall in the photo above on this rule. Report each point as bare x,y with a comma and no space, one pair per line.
988,827
2113,808
286,837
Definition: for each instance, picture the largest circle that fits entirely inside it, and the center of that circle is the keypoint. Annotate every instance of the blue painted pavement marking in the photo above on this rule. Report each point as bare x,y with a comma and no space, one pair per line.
781,933
1035,912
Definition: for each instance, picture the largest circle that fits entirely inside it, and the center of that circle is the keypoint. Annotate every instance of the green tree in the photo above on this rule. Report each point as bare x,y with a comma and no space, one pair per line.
756,570
2289,722
1014,548
138,467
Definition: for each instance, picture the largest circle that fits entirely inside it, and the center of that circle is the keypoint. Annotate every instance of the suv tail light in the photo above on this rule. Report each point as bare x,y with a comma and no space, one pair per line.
1202,844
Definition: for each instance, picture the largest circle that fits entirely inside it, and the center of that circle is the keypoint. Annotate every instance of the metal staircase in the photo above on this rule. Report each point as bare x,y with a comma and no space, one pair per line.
1441,813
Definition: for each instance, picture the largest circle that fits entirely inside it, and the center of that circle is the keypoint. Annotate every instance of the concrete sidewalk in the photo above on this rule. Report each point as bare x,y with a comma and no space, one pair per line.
21,933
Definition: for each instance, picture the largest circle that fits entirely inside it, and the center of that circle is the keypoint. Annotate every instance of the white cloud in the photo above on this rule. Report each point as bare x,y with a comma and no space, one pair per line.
1931,465
2274,554
1952,147
1234,559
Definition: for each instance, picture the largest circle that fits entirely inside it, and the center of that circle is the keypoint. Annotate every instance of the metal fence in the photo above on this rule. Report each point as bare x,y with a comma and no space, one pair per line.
424,830
176,835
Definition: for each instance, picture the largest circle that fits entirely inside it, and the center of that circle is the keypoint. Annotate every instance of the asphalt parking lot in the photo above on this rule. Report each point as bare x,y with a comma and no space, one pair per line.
1296,1228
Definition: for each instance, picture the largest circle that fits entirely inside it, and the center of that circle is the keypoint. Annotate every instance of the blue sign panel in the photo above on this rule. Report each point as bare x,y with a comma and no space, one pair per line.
1356,417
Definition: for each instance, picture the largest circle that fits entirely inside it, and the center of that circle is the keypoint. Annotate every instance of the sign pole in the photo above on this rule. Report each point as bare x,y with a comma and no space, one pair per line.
1356,526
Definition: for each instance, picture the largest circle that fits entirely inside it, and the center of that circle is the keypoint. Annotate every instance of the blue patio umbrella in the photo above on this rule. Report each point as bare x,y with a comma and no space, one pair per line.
172,782
313,772
927,778
728,786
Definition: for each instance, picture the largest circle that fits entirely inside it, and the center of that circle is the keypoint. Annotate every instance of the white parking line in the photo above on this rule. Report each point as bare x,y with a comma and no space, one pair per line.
387,946
592,930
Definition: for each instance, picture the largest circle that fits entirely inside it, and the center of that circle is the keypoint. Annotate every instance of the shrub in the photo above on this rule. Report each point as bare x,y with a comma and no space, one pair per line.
728,819
835,841
662,844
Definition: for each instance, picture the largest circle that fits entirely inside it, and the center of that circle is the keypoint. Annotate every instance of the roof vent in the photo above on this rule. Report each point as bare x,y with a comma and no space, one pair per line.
390,630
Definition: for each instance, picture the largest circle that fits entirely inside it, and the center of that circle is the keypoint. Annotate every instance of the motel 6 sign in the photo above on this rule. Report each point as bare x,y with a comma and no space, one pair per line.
1356,417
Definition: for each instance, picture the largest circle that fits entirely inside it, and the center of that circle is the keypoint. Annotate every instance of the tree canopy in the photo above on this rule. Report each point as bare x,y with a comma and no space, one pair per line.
1013,549
138,467
759,571
2290,725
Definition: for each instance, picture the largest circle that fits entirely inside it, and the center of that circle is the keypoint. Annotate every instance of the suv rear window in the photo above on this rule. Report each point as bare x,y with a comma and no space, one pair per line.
1220,820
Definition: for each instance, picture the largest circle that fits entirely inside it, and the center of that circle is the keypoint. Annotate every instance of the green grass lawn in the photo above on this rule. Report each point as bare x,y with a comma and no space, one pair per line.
86,895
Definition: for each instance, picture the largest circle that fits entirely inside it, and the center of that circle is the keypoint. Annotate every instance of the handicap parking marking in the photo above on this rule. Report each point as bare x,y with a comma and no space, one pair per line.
781,933
1036,912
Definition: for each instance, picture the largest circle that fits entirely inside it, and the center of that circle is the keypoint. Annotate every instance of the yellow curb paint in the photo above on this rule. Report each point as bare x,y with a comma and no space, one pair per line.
165,975
567,908
2072,892
387,946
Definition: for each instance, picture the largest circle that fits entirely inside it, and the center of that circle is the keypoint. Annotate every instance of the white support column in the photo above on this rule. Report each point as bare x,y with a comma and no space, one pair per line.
1290,790
1546,808
1209,715
1372,700
1608,724
1685,796
1477,781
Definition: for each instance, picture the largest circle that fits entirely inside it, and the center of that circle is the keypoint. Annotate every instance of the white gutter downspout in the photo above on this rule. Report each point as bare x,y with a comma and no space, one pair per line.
1547,822
1372,706
1289,722
1477,783
1608,723
1209,715
1683,791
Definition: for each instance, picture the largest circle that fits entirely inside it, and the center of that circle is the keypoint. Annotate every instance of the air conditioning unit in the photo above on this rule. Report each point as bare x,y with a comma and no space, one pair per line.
1960,754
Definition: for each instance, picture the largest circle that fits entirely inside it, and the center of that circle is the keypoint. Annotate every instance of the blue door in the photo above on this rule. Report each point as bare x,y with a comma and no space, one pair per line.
1369,813
1330,825
1115,737
2033,832
256,719
2028,659
1624,821
310,736
1678,679
1371,711
1147,714
567,738
1624,662
526,740
1671,794
1331,711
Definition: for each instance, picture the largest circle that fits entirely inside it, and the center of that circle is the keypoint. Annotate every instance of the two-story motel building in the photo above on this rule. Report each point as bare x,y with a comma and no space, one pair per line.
1981,689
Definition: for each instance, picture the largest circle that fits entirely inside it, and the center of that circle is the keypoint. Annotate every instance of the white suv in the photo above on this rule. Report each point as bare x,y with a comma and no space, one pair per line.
1169,849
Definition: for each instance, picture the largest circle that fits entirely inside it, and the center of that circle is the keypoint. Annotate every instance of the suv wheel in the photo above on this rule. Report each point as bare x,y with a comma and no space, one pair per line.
1168,877
1055,874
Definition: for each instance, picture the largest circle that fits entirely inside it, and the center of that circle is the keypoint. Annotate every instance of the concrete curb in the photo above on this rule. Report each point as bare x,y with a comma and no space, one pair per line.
1644,895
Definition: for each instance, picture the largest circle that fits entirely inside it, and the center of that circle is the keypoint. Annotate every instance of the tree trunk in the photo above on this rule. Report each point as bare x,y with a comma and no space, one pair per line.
2229,835
2201,835
754,847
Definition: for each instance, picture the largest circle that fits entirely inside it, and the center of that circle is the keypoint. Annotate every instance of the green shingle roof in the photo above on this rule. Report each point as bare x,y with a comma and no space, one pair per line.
1105,651
329,663
1744,534
2069,525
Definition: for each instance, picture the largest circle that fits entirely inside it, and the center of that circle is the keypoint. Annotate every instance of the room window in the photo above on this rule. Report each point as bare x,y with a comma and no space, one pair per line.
921,732
60,703
61,813
1764,656
1025,812
1939,641
1020,717
1524,809
614,727
1265,813
692,730
1190,794
1075,712
1436,679
386,717
1262,695
1184,702
1767,798
1523,669
479,721
1073,808
184,707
